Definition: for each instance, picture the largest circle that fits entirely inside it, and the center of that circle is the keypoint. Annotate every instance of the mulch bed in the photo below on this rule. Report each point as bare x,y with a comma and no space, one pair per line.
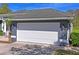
32,50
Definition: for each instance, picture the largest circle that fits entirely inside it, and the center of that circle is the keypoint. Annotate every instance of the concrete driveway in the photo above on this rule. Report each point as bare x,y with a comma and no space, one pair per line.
10,48
4,47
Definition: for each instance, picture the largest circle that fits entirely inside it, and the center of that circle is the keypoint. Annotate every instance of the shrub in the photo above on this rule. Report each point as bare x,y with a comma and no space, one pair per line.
75,39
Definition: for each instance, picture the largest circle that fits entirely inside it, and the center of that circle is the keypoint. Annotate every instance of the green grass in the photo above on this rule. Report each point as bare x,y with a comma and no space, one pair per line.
1,33
76,30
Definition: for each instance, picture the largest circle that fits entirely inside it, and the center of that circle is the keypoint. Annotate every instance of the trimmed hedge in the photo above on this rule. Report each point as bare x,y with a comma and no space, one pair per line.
75,39
1,32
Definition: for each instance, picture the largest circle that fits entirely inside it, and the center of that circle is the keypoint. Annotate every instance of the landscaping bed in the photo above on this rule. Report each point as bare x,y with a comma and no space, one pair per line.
31,50
25,48
39,50
65,52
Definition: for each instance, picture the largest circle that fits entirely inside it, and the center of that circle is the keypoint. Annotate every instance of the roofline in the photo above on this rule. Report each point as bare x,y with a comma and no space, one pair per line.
4,15
57,18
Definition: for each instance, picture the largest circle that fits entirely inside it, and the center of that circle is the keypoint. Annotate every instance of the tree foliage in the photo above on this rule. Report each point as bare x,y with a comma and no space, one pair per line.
76,20
75,39
8,22
4,9
75,33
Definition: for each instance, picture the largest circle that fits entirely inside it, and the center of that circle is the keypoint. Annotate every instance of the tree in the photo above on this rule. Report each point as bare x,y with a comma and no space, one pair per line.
76,17
4,9
76,21
9,23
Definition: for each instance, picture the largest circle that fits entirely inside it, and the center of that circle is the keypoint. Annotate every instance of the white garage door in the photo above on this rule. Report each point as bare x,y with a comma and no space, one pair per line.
38,32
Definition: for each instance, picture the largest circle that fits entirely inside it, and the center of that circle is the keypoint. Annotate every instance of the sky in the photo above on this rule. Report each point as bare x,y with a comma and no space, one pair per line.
31,6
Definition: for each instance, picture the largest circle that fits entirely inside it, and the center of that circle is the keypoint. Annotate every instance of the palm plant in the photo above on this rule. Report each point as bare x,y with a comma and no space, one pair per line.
8,25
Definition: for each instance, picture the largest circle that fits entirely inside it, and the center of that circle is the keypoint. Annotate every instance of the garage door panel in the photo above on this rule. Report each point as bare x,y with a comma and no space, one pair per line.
38,36
38,26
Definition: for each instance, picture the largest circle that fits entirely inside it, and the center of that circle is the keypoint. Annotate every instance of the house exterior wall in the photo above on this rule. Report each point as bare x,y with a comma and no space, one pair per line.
64,32
69,31
24,28
71,27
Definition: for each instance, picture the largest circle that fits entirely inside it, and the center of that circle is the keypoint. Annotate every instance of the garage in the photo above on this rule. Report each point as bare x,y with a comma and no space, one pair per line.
38,32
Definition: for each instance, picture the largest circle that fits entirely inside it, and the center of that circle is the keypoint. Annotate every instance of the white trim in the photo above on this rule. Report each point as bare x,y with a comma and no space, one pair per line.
5,26
12,36
68,35
2,24
57,18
